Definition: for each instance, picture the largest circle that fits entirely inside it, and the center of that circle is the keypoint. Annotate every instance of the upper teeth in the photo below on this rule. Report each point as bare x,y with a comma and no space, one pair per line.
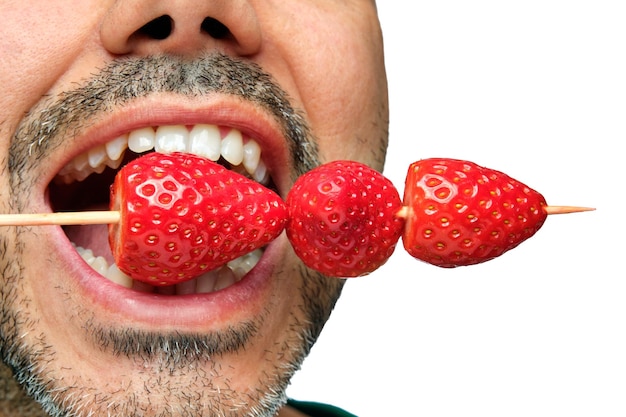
202,140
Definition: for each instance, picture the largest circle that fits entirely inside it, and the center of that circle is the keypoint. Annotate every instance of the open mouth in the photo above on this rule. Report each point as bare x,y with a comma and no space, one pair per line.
84,184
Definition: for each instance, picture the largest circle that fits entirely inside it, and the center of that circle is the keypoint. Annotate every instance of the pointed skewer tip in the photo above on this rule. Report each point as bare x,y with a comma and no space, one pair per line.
565,209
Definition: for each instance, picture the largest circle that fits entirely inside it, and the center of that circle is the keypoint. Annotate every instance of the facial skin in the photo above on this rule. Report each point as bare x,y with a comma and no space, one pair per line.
305,79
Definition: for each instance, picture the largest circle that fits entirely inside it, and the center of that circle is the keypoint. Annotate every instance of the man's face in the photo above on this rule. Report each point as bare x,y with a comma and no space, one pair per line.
81,81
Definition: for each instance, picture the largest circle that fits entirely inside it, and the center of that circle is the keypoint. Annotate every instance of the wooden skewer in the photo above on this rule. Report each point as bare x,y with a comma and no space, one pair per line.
109,217
404,211
68,218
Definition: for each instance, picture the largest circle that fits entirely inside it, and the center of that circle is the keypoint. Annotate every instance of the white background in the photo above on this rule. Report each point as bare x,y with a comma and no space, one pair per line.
536,89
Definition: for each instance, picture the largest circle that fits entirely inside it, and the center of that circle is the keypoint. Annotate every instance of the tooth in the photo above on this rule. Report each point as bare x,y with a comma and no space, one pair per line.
100,169
244,264
80,162
81,175
141,140
187,287
251,155
238,269
252,259
86,254
232,147
66,170
225,278
115,275
116,147
115,164
170,139
205,141
205,283
261,175
96,156
100,265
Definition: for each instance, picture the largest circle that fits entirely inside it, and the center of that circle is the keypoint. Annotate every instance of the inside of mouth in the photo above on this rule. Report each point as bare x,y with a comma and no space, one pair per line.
92,241
93,193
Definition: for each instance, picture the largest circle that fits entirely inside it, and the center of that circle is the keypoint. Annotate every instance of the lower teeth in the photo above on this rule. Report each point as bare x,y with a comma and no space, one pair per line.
208,282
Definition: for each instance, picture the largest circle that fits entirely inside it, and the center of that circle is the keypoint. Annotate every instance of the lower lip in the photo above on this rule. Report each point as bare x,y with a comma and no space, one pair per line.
195,312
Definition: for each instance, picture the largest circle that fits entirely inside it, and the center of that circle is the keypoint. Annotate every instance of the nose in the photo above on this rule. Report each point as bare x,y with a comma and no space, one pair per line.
183,27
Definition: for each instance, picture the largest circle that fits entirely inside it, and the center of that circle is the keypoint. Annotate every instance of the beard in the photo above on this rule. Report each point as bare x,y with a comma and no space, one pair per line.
162,373
177,375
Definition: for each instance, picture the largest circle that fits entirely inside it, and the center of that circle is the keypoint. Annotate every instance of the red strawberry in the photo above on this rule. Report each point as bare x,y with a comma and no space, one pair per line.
342,219
459,213
182,215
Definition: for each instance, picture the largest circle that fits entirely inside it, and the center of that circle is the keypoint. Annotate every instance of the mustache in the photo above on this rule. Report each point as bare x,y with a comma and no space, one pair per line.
44,127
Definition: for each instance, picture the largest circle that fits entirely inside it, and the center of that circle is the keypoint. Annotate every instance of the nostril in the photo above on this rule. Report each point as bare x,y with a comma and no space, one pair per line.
159,28
162,27
215,28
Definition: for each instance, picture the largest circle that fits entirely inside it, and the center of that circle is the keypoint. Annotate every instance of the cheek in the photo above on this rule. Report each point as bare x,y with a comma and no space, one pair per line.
341,80
39,41
352,110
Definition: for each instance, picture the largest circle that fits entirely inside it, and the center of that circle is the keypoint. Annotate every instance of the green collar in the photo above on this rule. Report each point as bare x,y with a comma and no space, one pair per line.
318,409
